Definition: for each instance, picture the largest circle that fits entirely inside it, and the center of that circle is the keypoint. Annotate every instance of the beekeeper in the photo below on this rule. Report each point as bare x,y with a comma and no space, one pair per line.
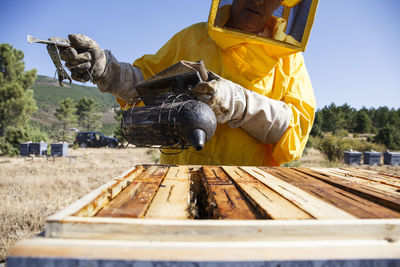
261,95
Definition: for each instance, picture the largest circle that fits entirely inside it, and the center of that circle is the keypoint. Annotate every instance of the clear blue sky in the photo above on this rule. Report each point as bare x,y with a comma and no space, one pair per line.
353,55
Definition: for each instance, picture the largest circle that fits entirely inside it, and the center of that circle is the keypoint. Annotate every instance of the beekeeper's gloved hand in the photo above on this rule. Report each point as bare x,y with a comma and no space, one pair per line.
84,58
263,118
87,61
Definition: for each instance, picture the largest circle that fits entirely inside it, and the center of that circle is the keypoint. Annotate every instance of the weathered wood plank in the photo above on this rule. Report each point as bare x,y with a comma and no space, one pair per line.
109,193
224,200
363,174
375,182
363,177
372,176
324,252
363,190
372,170
124,180
173,197
134,200
340,198
266,201
390,175
318,208
79,204
225,230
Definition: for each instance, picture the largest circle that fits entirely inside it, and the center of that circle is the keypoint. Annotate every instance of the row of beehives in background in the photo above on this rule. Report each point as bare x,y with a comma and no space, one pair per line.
372,158
41,149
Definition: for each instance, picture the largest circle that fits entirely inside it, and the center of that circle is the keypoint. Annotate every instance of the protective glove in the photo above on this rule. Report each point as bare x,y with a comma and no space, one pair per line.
264,118
87,61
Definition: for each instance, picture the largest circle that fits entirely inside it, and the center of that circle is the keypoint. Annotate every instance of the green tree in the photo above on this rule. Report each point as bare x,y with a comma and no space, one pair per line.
362,122
16,99
118,131
381,117
347,114
88,115
12,138
316,130
333,119
66,114
394,118
9,143
389,136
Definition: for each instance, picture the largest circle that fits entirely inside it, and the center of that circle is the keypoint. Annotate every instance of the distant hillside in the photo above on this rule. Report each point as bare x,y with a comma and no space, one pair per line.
47,93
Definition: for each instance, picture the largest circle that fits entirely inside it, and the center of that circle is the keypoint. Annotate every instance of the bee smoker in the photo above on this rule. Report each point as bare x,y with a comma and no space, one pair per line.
171,117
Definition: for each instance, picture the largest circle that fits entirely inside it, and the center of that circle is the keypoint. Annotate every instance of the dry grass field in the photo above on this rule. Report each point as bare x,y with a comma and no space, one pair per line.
31,189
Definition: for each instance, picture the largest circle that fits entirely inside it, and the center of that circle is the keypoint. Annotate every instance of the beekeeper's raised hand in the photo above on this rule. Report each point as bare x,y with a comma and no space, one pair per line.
87,61
84,58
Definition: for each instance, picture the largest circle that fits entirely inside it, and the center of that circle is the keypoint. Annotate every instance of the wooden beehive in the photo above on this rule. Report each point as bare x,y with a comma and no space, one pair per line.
234,206
242,193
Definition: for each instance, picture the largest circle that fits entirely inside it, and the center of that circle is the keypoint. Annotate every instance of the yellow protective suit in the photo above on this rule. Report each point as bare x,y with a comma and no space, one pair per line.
276,72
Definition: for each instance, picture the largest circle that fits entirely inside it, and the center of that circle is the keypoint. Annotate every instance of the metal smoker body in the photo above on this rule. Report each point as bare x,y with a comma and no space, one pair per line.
171,117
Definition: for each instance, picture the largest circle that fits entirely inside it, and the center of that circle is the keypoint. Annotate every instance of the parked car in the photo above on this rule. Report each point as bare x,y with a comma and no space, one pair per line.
95,139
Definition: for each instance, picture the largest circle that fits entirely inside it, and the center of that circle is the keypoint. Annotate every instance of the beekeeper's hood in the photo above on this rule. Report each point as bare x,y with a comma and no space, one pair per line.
285,33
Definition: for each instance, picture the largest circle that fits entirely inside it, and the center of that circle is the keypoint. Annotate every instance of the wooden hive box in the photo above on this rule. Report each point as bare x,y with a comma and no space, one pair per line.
226,215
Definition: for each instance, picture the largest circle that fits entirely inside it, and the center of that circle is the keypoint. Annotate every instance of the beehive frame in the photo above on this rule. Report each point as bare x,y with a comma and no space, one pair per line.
160,228
332,222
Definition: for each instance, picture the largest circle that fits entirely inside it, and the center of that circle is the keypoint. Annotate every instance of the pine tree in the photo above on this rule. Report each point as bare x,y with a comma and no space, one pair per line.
118,112
316,129
348,114
381,117
65,113
362,122
333,118
389,136
16,101
88,116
